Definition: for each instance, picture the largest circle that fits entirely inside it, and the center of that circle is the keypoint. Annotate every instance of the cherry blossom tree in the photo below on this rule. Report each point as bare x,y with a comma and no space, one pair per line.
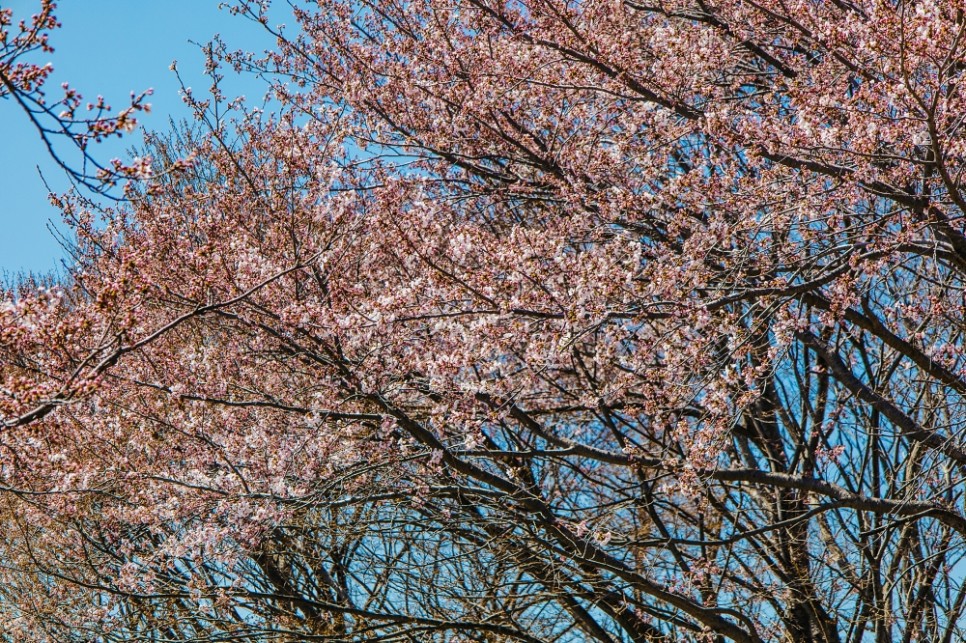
68,120
515,321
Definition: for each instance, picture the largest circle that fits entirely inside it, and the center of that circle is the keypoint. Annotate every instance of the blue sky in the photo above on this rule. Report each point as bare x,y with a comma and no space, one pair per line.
107,47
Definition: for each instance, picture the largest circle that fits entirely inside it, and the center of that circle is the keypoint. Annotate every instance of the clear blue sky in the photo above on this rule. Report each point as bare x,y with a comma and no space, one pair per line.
108,47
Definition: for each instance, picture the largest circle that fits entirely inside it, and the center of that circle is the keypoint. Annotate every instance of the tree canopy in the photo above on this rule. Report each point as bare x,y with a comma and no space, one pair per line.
509,321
